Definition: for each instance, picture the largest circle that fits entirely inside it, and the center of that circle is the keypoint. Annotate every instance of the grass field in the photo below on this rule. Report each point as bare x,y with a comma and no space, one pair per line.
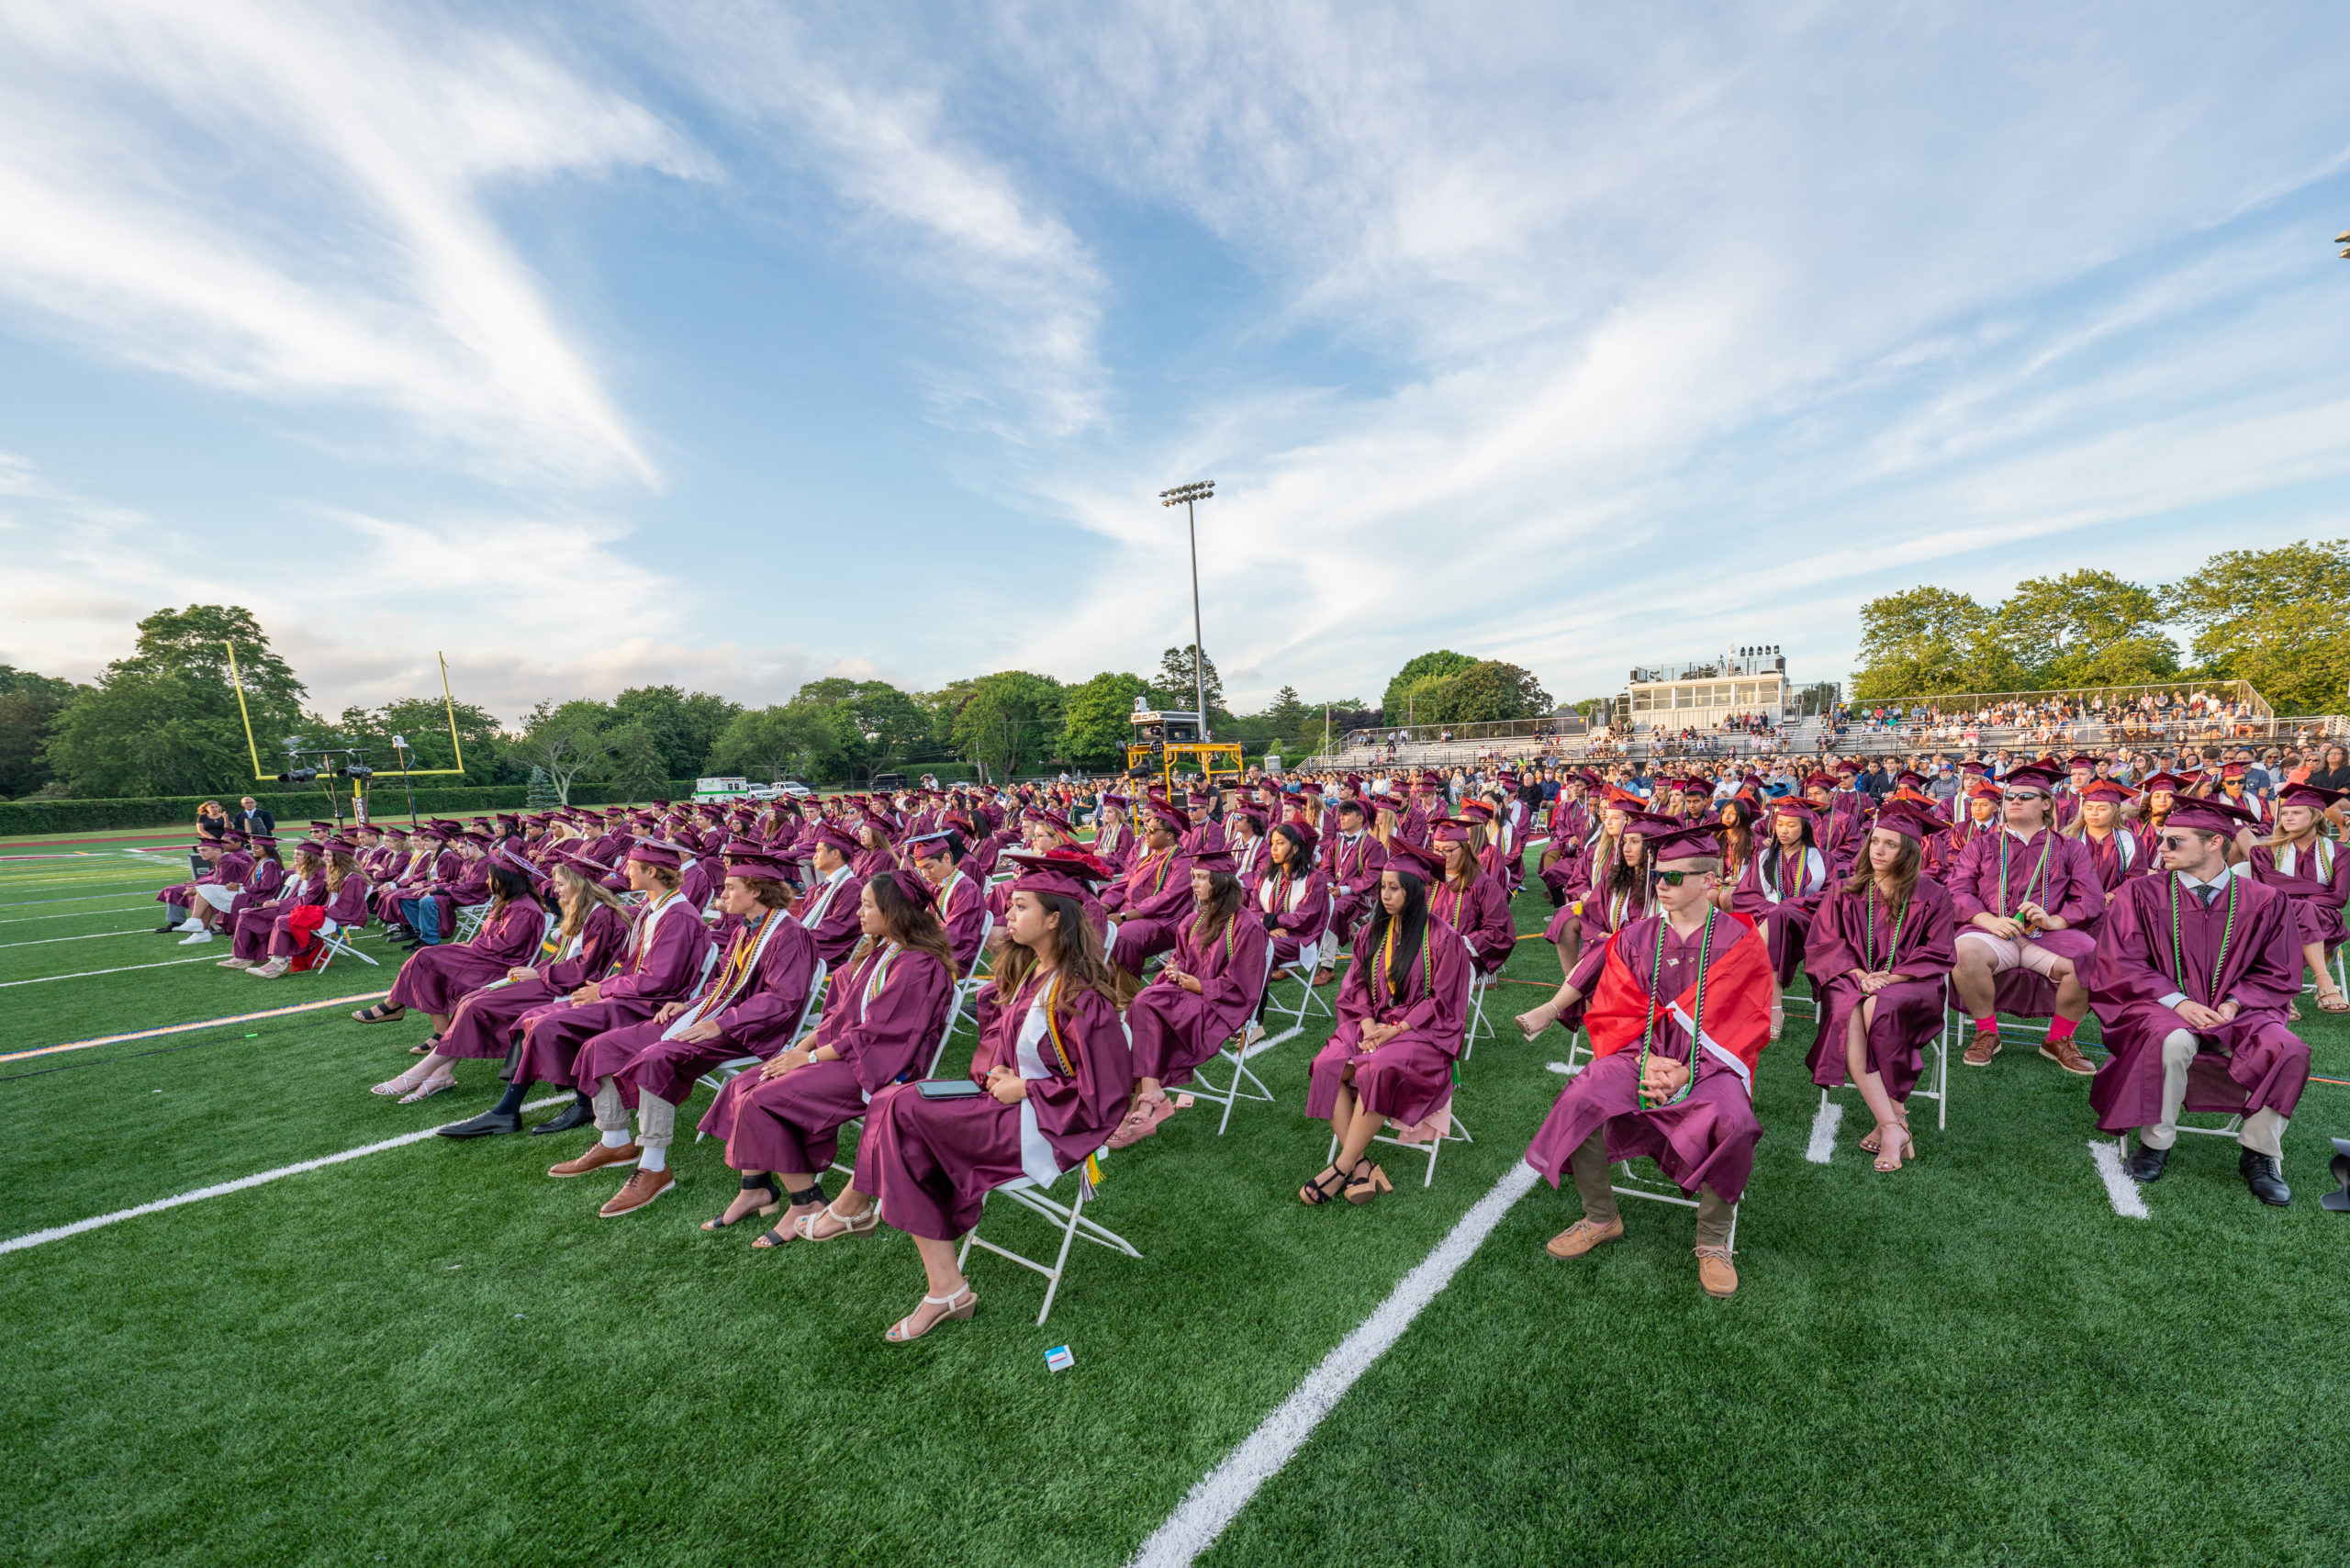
434,1354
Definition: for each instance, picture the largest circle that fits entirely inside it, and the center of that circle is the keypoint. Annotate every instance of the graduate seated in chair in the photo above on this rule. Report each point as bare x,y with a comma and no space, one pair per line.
2315,873
2191,977
961,904
2024,896
749,1004
1148,902
338,894
1053,1078
1353,858
1678,1020
1780,891
1880,951
434,979
883,1014
1402,1022
1203,994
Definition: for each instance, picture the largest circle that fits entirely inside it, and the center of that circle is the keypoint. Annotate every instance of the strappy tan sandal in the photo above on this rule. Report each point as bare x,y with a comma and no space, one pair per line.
850,1224
902,1330
1366,1184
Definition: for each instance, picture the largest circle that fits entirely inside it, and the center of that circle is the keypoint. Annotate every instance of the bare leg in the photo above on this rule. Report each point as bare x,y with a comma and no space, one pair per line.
2072,996
1358,1136
1892,1121
1977,981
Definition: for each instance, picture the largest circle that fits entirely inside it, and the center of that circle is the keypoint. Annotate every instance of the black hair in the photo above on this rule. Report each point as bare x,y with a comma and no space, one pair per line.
1216,912
1408,940
508,883
1301,862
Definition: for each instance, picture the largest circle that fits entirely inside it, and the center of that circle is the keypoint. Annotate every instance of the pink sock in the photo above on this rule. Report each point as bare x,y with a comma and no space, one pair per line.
1987,1025
2061,1030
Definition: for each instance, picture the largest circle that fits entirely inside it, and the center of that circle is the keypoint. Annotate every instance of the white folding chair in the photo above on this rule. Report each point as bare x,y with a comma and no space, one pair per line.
469,919
1301,970
715,1079
1664,1190
1071,1217
1477,1025
337,939
1245,1085
967,988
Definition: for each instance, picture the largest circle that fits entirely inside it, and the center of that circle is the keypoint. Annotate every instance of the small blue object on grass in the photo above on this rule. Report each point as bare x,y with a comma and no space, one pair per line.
1058,1359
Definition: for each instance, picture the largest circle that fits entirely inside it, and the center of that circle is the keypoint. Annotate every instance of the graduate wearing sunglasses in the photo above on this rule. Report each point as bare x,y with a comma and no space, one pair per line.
1678,1021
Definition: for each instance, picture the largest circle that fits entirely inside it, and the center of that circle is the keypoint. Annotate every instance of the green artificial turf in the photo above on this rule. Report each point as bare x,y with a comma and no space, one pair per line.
434,1354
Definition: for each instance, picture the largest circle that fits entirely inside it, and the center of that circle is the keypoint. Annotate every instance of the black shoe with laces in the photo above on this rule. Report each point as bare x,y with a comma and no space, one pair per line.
2147,1165
2265,1176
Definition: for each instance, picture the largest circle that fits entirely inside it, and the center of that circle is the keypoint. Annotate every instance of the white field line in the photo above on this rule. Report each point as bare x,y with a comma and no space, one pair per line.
120,876
1822,1148
1216,1499
79,898
125,969
2127,1199
221,1190
88,936
77,914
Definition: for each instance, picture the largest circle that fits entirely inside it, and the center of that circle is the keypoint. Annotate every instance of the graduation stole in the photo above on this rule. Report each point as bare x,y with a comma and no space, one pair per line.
2320,855
2178,950
878,965
2039,872
645,923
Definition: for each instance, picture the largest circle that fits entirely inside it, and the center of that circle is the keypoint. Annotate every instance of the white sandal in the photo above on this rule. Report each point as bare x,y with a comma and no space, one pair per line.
965,1294
804,1227
429,1088
404,1083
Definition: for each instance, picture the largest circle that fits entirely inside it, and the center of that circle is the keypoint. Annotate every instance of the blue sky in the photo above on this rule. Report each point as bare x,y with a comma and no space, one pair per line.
734,345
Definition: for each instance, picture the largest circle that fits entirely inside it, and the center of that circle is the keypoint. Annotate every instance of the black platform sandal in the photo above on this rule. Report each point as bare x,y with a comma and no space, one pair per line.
809,1197
764,1181
379,1014
1314,1193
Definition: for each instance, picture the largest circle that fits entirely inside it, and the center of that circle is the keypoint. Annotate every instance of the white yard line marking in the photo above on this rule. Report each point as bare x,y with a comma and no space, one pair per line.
1822,1148
125,969
1216,1499
89,937
77,914
2128,1200
78,898
58,1233
201,1024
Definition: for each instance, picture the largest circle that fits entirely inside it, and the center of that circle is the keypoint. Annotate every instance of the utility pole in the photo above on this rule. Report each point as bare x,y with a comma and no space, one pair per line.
1188,496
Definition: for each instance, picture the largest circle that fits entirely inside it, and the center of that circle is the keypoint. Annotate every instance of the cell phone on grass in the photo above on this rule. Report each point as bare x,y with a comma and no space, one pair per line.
948,1089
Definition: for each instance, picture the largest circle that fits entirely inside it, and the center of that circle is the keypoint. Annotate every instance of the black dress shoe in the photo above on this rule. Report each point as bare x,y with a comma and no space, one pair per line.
572,1115
486,1125
2147,1165
2265,1177
165,930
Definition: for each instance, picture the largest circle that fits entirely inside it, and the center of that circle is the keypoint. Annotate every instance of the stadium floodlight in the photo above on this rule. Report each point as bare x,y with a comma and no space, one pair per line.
1188,496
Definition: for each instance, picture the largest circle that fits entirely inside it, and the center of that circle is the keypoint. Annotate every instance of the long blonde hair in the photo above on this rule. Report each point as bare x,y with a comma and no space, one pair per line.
578,894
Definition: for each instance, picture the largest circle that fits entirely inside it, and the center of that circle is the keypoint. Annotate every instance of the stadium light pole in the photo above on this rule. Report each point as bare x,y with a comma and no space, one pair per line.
1188,496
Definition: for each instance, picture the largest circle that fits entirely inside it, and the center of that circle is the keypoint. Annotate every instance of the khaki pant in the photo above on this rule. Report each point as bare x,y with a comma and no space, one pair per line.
2264,1130
1589,1168
656,1119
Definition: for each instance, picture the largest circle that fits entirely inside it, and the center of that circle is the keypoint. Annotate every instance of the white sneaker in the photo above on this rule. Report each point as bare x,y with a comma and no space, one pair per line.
191,924
201,935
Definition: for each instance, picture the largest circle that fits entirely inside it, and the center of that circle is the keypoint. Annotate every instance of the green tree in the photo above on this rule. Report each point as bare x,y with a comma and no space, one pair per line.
1487,691
780,742
568,741
1402,702
29,703
1176,682
682,726
1928,639
165,721
1094,718
2280,619
1011,721
423,723
635,763
2087,628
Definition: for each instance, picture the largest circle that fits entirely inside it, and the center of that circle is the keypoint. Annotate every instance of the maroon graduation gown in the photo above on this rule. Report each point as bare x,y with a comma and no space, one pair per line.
2317,880
757,992
1480,914
930,1162
436,979
884,1019
1174,1031
1294,911
1845,935
1998,873
1406,1078
663,964
1781,893
483,1022
2249,1063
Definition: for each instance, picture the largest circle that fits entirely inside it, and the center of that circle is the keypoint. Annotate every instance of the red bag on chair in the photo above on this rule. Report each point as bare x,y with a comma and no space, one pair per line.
303,925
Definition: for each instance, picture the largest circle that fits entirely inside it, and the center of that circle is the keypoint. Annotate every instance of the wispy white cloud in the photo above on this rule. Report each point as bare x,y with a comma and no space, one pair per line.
292,202
1008,282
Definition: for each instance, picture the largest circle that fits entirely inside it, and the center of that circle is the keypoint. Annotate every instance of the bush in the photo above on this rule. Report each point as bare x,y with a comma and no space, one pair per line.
290,808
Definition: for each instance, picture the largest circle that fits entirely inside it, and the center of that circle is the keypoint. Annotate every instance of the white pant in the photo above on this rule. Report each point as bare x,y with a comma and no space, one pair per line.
2264,1130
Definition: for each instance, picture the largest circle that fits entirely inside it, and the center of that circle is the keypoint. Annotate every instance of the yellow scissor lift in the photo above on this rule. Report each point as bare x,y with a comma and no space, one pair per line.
1166,745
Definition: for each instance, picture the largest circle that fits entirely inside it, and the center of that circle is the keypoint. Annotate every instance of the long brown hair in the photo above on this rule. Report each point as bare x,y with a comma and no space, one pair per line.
912,924
1222,904
579,894
1905,870
1080,960
338,865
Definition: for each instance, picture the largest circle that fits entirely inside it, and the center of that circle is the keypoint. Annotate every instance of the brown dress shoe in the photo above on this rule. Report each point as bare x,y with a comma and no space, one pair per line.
596,1159
641,1188
1985,1046
1582,1237
1714,1272
2064,1054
